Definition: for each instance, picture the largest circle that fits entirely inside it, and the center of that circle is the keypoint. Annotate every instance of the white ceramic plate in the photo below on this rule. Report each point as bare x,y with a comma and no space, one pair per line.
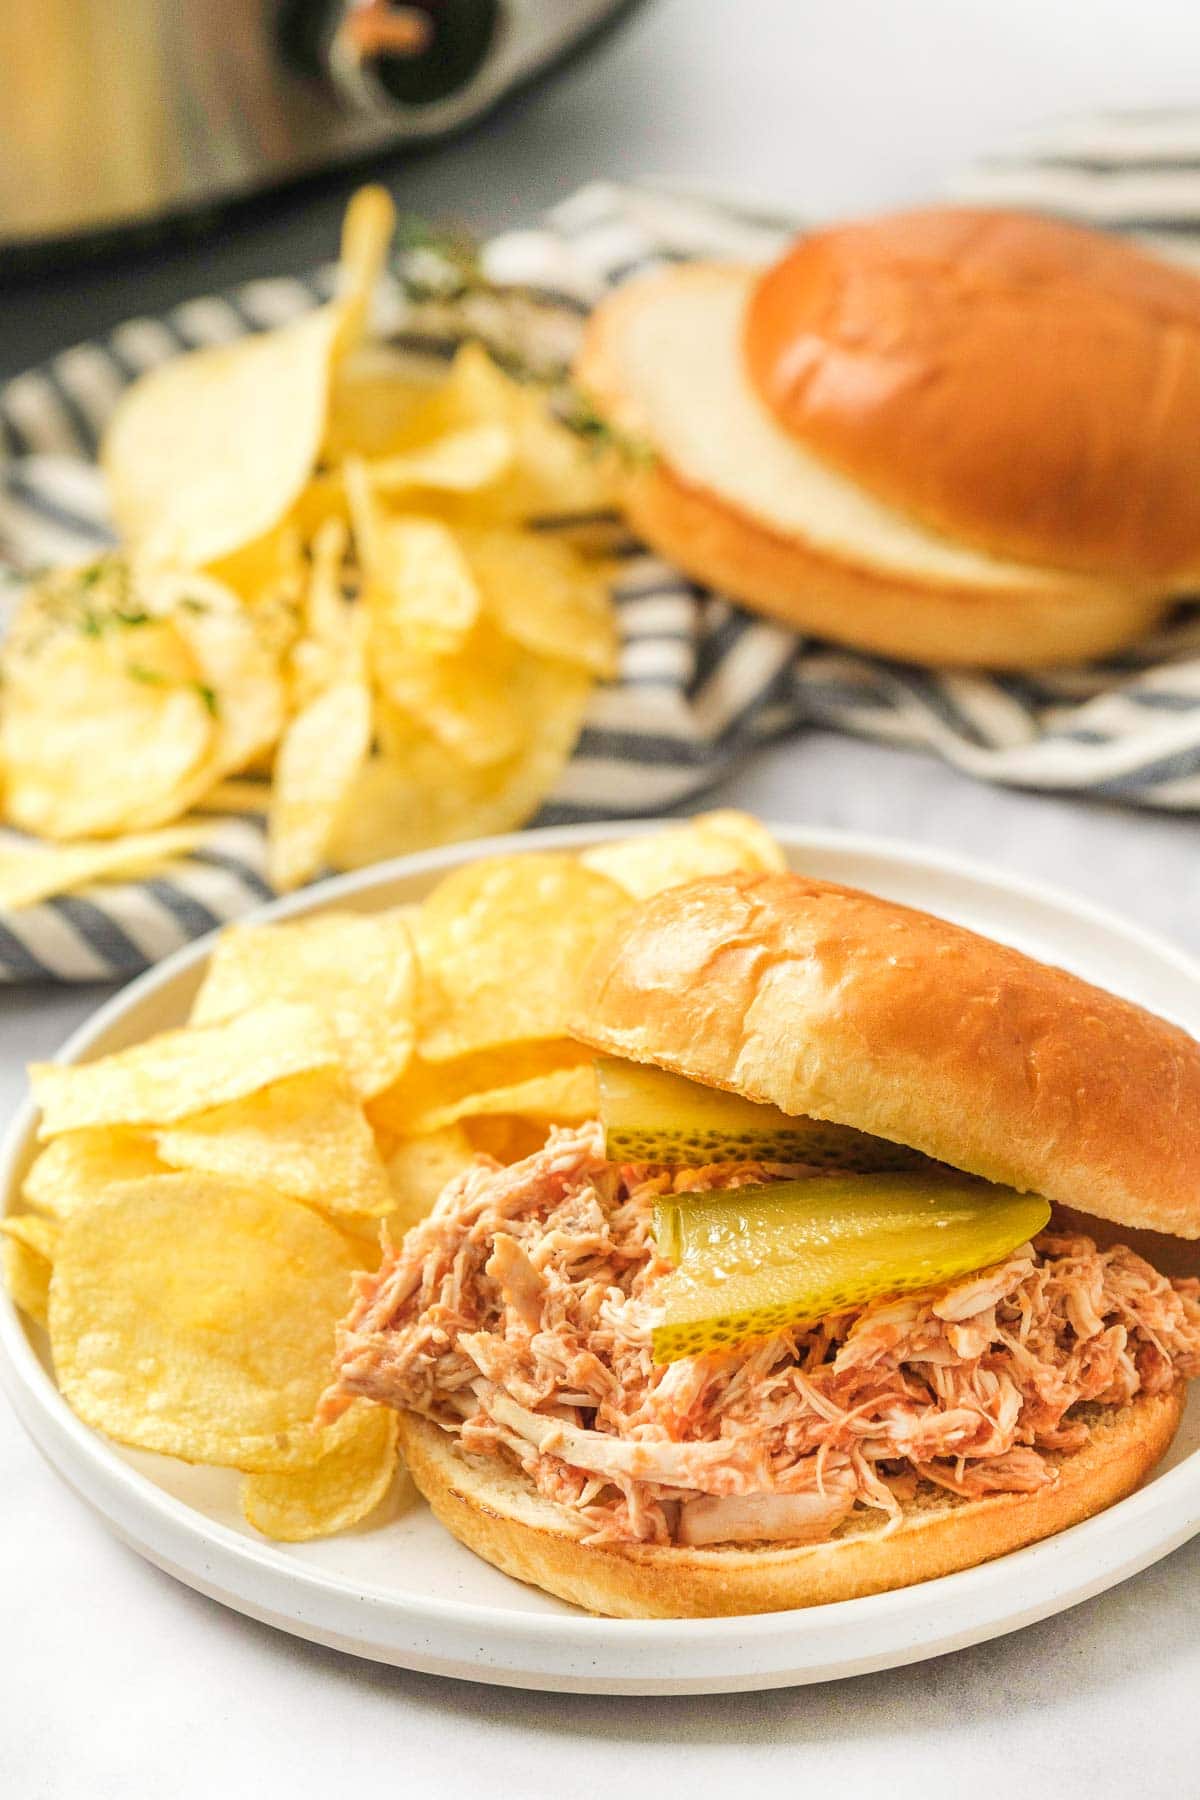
402,1591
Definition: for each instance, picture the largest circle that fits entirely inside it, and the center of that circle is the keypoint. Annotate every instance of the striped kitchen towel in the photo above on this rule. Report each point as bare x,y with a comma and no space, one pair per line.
701,683
1128,171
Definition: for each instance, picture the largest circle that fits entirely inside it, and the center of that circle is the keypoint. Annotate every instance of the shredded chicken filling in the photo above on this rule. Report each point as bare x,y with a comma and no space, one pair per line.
519,1314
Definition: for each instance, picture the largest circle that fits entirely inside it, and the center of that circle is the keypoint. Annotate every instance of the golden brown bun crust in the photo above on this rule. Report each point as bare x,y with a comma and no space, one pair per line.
914,620
842,1005
1026,386
849,578
496,1513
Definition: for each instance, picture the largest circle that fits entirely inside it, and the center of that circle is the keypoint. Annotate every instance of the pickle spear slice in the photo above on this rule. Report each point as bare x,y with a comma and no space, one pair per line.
650,1115
752,1260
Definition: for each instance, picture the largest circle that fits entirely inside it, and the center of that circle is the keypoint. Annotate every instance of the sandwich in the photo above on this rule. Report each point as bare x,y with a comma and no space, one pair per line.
838,1293
958,437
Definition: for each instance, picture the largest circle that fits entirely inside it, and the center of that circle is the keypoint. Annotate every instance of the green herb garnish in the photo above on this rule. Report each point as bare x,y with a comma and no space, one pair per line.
437,262
155,678
579,414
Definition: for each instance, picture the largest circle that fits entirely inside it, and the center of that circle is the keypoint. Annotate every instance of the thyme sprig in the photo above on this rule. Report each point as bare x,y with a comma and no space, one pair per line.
579,413
437,262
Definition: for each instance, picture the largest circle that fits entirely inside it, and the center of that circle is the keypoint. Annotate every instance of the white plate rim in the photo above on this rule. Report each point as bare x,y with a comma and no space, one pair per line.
1123,1539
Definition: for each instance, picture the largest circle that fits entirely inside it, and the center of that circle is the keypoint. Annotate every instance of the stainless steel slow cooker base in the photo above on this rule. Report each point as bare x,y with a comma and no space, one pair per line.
118,114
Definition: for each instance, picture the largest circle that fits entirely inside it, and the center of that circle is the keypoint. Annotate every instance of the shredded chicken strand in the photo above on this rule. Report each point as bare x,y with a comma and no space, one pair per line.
519,1316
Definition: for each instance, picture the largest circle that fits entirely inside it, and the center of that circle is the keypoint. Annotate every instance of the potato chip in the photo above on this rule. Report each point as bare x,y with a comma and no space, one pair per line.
206,453
40,1234
378,395
500,944
475,703
318,664
425,1088
562,1096
26,1279
266,575
543,594
238,669
359,968
460,462
364,1236
348,1483
30,872
322,752
426,795
420,590
30,1245
106,724
553,472
327,612
80,1167
465,395
742,828
305,1137
367,232
179,1073
419,1168
711,844
235,796
505,1136
332,647
322,501
131,653
247,465
195,1317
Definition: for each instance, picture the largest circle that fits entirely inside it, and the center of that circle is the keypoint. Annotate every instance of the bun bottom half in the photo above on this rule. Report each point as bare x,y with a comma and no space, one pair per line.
907,617
491,1508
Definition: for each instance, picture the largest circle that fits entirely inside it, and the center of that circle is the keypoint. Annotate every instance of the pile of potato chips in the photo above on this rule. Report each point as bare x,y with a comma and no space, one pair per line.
202,1200
339,569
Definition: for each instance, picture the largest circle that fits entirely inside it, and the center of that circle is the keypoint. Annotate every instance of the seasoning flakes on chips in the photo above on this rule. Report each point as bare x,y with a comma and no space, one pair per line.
106,726
336,571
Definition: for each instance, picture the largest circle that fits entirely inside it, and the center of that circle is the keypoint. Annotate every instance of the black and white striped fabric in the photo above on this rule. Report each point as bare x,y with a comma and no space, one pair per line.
1126,171
701,685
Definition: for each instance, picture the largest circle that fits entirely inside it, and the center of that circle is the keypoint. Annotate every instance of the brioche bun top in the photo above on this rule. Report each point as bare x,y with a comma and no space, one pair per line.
836,1003
1024,386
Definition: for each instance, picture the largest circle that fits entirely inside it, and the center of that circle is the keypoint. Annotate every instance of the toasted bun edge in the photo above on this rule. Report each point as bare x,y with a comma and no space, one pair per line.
886,615
492,1509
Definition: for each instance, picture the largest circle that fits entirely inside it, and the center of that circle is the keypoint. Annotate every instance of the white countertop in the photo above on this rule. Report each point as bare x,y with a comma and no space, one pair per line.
114,1680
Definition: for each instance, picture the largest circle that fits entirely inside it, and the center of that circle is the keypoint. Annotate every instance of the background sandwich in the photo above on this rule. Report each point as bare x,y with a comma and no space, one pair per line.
960,437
